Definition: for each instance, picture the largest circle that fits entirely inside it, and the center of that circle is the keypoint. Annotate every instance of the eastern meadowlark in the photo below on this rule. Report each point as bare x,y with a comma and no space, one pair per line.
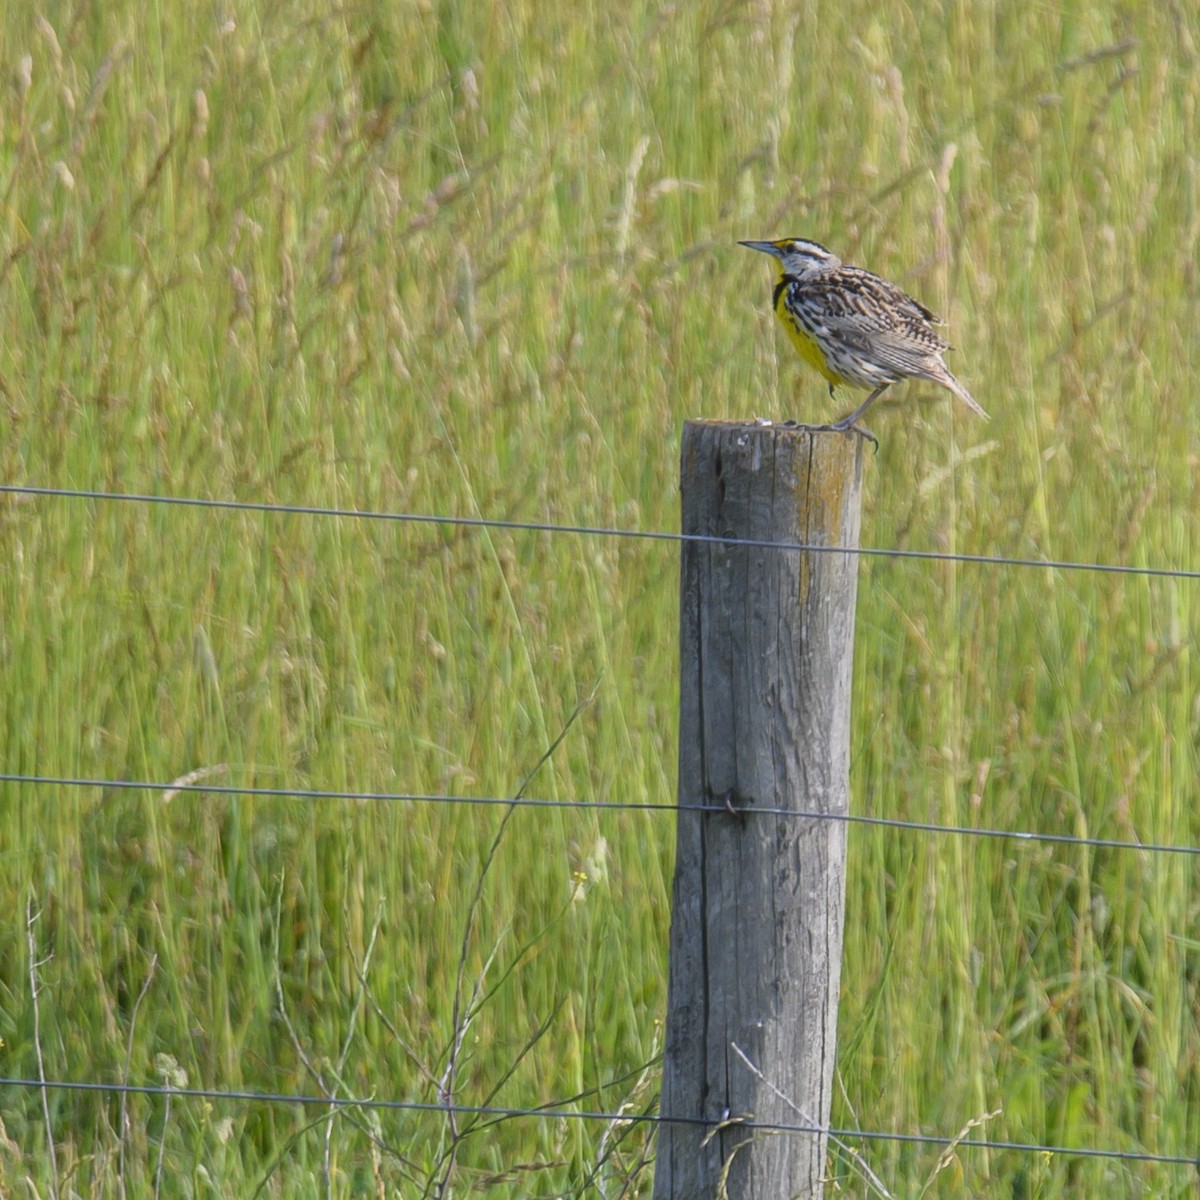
857,329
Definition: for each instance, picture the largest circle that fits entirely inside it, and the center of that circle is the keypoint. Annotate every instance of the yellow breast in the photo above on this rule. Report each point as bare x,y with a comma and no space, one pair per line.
808,346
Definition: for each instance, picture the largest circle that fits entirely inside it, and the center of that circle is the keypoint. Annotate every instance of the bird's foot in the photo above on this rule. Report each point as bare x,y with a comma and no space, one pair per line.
849,427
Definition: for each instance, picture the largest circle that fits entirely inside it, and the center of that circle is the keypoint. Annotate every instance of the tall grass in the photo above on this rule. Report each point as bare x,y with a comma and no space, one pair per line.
479,259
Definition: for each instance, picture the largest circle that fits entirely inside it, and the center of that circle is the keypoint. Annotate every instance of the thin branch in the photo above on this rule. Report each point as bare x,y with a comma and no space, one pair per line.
123,1123
459,1022
162,1143
343,1108
352,1024
856,1159
30,918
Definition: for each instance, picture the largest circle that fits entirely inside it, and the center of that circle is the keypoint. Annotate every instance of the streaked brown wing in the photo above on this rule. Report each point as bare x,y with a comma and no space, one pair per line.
865,310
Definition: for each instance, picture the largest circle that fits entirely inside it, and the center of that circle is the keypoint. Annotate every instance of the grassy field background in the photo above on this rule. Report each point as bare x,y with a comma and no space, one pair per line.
479,259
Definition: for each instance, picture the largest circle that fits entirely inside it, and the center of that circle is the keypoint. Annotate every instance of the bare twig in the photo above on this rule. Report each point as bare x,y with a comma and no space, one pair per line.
461,1015
342,1110
34,963
174,1078
610,1145
123,1123
856,1159
399,1039
162,1142
297,1045
350,1029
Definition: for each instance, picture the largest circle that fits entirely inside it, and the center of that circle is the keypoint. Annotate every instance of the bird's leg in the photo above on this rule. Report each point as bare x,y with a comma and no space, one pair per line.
850,422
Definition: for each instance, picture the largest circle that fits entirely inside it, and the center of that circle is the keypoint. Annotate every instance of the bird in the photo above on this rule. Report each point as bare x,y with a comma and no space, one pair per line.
855,327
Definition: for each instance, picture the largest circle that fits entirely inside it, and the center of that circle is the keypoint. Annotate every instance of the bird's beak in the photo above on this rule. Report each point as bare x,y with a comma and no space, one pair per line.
765,247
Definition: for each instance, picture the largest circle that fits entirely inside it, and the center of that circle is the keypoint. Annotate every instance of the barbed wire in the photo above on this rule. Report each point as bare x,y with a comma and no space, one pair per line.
738,810
310,510
568,1114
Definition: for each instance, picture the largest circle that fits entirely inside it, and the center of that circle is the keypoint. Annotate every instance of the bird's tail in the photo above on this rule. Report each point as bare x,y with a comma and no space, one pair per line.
962,393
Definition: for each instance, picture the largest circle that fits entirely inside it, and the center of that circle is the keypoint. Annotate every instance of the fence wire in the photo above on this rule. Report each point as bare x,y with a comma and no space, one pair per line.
740,811
315,795
570,1114
658,535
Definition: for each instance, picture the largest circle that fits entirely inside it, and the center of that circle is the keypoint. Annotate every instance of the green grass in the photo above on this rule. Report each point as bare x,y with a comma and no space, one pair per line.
479,259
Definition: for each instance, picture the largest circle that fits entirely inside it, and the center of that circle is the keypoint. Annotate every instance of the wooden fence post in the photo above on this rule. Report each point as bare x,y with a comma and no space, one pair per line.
766,643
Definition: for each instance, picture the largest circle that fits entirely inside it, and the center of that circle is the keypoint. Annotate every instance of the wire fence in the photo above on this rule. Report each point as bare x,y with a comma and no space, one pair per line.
556,1111
327,794
657,535
553,1113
